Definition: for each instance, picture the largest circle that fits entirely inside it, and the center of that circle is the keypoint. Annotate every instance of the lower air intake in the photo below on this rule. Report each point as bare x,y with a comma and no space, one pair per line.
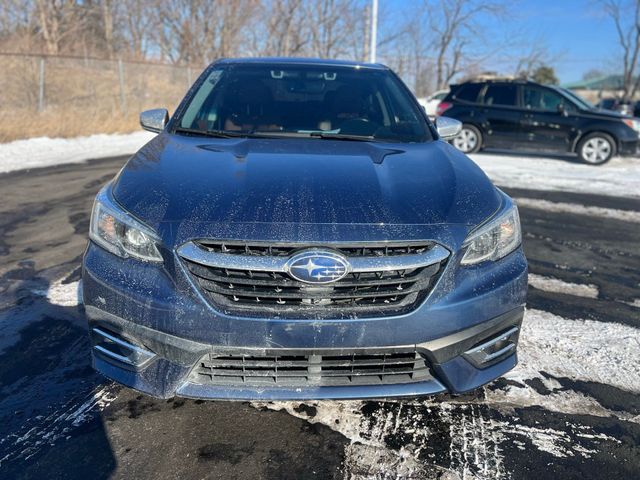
299,370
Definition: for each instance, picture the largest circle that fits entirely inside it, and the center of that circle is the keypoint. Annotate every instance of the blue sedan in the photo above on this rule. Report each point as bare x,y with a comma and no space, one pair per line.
299,229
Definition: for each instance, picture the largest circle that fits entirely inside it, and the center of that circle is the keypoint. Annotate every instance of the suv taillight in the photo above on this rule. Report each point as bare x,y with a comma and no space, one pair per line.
443,107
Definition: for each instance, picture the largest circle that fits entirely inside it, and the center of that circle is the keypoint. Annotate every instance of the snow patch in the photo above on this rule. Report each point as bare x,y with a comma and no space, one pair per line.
45,151
97,402
620,177
63,294
634,303
549,284
578,209
585,350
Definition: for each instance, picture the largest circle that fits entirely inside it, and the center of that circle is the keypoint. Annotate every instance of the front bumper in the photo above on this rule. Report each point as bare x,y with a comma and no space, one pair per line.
163,314
168,374
629,148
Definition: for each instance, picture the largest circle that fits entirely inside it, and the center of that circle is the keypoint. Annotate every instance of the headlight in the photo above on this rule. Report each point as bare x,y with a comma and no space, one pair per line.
493,240
121,234
632,123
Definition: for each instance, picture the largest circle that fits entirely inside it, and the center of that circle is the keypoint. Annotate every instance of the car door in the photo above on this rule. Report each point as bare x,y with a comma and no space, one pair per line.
549,121
502,116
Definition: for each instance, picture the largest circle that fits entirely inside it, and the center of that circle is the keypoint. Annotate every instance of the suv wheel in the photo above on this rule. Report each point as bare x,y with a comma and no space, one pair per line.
596,148
469,140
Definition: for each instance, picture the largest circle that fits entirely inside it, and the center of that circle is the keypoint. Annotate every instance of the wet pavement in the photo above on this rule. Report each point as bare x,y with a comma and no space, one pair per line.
570,410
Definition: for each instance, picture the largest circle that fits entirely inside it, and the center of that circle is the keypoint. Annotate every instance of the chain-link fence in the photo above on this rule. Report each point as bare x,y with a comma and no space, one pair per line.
65,96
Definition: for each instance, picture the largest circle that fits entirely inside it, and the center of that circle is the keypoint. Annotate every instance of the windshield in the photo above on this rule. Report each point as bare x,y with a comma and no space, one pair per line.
304,101
578,99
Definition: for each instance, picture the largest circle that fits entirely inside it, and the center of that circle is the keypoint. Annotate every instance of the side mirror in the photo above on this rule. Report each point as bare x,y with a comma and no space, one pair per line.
448,128
154,120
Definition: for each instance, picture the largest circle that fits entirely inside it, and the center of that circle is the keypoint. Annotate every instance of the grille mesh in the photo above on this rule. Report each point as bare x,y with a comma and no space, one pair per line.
284,250
252,292
399,366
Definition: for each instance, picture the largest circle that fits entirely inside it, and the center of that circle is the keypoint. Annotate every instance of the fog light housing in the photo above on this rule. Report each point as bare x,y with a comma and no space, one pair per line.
494,350
114,347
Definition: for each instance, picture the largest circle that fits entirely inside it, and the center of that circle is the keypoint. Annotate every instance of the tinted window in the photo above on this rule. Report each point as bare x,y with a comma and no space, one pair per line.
501,95
468,92
578,99
300,100
541,99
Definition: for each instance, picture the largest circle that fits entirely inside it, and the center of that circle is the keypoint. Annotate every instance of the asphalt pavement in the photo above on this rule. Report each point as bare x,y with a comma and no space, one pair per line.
59,419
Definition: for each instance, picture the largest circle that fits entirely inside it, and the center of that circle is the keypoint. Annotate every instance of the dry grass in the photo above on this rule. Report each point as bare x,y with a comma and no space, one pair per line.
81,97
17,124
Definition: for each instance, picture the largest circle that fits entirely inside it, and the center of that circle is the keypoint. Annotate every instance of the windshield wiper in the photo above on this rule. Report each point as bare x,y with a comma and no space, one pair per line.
344,136
215,133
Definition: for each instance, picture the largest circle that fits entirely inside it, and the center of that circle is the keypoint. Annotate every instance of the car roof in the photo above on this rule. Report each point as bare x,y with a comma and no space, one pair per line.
299,61
519,81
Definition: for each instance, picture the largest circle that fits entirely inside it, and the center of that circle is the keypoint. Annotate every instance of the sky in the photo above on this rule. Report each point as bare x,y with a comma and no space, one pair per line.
577,33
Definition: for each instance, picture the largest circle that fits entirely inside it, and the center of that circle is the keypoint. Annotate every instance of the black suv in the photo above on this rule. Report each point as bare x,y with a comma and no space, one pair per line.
528,116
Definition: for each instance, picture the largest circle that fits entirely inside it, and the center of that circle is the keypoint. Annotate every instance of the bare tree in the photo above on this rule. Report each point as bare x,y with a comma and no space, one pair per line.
626,18
285,28
199,31
420,59
536,55
58,20
330,24
17,26
138,26
454,24
107,11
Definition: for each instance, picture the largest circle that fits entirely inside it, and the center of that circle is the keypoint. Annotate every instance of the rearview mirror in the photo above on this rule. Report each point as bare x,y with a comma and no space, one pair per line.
154,120
448,128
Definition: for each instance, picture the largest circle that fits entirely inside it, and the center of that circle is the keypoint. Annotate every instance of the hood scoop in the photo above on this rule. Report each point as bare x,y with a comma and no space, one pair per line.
242,147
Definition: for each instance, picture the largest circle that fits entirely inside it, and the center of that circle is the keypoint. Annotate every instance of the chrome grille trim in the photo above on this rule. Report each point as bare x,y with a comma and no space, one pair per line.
194,253
248,281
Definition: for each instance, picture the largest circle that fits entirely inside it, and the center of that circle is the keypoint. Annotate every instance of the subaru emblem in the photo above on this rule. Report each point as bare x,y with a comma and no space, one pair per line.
317,266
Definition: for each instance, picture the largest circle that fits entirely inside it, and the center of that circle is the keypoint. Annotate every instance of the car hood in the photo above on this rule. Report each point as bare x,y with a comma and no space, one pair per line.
198,181
608,114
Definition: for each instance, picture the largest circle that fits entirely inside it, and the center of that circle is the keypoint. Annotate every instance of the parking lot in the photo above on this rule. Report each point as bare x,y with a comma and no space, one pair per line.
571,409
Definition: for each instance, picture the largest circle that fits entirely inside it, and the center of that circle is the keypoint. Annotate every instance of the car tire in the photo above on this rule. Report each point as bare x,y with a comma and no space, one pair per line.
469,140
596,148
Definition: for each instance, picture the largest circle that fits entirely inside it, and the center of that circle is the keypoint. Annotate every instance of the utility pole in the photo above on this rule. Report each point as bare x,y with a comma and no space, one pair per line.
374,31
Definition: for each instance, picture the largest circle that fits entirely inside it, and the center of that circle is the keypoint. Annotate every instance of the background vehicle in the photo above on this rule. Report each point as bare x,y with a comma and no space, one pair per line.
617,105
525,115
431,102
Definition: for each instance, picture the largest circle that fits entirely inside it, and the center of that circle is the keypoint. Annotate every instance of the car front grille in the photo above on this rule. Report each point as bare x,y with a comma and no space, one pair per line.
248,279
299,370
286,250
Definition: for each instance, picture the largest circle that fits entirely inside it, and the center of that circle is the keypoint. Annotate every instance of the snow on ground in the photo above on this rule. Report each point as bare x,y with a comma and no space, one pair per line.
585,350
63,294
578,209
549,284
620,177
45,152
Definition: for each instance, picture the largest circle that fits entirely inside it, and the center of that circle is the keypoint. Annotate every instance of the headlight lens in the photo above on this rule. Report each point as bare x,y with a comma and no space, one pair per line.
632,123
492,241
121,234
